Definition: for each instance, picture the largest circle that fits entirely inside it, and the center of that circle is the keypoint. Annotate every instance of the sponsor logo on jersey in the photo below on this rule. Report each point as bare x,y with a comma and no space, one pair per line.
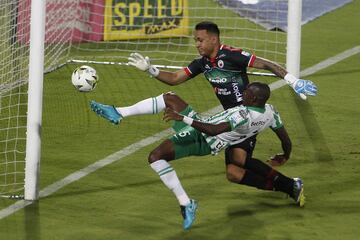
236,118
218,80
245,53
222,91
220,63
243,114
258,123
222,55
237,93
218,145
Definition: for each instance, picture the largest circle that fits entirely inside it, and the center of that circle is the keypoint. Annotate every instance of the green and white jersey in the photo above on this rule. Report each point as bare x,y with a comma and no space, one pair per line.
245,122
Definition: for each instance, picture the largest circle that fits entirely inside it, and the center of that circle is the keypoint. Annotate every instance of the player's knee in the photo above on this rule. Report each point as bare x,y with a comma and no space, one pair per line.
171,99
231,177
154,155
234,173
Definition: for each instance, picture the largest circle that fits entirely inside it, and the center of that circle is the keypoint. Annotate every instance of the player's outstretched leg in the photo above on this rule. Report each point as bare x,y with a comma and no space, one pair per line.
299,196
188,212
169,177
106,111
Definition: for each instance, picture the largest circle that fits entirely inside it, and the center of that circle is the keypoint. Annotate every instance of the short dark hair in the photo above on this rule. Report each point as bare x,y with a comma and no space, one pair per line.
261,91
208,26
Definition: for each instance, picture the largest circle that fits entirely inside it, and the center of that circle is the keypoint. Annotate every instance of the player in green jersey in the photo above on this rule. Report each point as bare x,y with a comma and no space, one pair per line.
209,136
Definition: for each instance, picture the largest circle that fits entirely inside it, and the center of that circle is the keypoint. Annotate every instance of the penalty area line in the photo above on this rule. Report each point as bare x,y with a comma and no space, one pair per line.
117,156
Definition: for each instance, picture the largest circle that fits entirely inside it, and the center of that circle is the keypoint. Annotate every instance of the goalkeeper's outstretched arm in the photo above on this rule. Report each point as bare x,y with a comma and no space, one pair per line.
262,63
303,88
172,78
143,63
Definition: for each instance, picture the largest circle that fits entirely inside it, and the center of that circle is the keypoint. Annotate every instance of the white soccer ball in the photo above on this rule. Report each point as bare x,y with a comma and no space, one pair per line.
84,78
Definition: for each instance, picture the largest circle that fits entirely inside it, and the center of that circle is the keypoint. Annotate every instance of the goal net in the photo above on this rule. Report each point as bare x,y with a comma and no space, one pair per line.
163,29
14,74
106,32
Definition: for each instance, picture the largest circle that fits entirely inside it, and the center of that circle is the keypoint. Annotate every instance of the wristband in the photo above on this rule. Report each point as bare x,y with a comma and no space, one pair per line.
290,79
153,71
188,120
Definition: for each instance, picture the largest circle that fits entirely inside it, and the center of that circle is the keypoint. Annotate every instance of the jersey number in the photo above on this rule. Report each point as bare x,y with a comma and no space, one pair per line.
184,134
219,145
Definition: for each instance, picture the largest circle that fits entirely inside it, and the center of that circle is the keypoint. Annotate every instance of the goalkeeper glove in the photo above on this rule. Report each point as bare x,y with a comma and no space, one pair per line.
143,63
302,87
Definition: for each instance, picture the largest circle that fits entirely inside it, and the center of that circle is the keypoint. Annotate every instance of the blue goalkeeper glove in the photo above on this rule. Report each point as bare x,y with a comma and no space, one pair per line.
303,88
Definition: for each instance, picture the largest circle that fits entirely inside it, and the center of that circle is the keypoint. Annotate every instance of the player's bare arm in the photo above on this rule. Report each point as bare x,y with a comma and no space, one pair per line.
281,158
172,78
207,128
262,63
302,87
143,63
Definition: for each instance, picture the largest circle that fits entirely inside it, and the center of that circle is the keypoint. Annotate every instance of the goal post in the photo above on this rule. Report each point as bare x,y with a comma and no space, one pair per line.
41,36
294,37
20,98
35,94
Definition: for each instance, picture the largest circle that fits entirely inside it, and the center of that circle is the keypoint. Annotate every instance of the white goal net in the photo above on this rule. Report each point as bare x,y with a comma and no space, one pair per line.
14,73
106,32
163,29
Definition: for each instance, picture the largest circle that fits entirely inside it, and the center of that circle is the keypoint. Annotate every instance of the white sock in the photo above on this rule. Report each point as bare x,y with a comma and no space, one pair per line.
152,105
170,179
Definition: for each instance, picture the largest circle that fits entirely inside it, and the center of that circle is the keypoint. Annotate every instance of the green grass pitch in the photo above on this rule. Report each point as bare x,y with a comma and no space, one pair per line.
127,201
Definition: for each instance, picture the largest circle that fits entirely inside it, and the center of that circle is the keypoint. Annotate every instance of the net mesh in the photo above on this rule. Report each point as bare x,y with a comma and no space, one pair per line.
175,48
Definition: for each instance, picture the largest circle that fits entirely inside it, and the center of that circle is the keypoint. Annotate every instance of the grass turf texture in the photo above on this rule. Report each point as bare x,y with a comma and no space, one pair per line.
126,200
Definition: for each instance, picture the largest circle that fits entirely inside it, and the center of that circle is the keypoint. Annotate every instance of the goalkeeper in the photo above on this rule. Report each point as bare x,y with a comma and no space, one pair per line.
226,70
234,126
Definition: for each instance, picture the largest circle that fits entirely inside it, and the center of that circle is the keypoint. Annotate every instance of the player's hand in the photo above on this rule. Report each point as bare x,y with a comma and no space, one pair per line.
304,88
170,114
277,160
139,61
143,63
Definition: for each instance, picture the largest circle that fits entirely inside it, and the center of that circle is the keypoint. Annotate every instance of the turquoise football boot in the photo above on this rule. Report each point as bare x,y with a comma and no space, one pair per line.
188,212
106,111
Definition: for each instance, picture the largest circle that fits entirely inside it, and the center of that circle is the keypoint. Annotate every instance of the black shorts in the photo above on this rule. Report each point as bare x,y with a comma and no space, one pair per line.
248,145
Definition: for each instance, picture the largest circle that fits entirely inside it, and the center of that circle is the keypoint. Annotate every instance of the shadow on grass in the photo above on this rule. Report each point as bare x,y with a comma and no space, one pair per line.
243,220
32,221
130,185
239,224
314,131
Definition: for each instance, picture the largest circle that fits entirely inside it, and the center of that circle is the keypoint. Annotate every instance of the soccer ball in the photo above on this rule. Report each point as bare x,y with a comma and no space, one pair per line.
84,78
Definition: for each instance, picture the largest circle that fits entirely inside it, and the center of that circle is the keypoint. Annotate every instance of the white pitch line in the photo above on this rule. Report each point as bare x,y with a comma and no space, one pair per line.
152,139
331,61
